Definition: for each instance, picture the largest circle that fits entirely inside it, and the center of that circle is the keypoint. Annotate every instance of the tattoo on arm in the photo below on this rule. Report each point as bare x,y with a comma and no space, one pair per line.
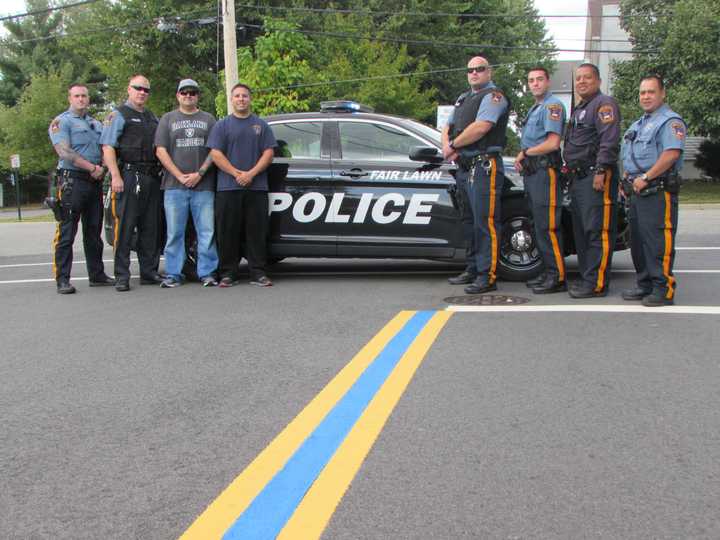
66,153
206,165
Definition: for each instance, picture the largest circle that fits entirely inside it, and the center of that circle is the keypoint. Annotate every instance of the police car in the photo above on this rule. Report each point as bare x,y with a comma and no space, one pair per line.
347,182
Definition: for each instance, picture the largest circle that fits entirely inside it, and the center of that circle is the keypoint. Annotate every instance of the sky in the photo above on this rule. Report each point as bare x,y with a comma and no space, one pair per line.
571,30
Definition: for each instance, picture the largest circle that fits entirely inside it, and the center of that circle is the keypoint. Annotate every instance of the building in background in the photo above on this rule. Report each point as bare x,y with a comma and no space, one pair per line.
603,33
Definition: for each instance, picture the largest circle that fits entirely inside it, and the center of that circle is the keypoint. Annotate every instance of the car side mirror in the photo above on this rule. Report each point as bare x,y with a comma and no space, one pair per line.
428,154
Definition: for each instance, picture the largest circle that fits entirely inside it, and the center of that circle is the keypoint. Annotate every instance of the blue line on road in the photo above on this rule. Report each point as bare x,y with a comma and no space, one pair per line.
271,509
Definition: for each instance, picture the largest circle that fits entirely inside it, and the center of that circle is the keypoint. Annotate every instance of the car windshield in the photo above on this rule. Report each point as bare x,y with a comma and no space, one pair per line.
426,131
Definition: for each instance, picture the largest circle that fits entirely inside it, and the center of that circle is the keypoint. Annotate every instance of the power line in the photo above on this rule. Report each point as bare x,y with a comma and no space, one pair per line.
433,14
48,10
434,43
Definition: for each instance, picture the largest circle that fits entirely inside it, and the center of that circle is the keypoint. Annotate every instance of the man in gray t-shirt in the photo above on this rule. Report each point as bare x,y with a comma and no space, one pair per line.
189,184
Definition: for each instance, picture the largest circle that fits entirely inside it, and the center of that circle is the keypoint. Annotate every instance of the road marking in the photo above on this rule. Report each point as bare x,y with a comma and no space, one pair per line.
23,265
699,248
317,507
259,502
600,308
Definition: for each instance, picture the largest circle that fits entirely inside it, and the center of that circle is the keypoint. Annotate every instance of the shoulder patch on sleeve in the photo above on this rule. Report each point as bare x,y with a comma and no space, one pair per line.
496,97
554,111
606,114
55,125
109,118
678,129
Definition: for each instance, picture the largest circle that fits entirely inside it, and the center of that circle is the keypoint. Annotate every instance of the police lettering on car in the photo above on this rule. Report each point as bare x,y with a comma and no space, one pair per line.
539,162
652,151
75,135
590,153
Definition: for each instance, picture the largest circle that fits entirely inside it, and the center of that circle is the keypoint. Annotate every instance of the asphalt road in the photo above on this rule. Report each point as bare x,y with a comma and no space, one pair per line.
124,415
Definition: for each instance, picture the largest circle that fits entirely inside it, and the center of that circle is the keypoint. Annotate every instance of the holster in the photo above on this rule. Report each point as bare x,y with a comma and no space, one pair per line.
533,164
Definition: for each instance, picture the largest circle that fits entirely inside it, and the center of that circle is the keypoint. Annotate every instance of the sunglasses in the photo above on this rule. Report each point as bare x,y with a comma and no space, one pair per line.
140,88
477,69
188,92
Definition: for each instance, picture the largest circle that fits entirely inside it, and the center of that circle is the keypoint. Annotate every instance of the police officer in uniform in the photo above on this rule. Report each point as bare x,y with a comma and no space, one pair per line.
539,162
591,152
128,150
475,138
75,135
652,150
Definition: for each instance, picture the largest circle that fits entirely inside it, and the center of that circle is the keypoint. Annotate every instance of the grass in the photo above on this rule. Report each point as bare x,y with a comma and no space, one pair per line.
700,192
29,219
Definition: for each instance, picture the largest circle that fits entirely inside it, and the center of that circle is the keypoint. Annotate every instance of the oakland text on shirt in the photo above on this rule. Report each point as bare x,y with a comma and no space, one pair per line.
189,124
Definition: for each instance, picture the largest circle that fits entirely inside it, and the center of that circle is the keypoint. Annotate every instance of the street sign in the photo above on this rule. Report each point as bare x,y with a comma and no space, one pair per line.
15,161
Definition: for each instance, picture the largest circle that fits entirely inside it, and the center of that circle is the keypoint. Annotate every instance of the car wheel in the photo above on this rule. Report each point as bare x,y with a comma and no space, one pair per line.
519,257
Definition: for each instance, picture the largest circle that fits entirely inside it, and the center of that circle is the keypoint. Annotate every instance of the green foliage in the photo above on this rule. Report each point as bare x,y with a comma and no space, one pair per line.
708,158
24,127
278,59
686,34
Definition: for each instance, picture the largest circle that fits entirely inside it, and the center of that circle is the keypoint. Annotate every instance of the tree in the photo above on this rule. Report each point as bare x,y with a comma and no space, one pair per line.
280,58
685,35
24,127
30,48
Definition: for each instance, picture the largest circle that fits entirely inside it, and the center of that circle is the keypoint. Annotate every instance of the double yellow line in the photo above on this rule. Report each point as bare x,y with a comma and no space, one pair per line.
311,515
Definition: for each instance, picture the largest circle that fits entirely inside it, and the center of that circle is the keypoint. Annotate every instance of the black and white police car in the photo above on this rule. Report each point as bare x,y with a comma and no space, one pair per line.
347,182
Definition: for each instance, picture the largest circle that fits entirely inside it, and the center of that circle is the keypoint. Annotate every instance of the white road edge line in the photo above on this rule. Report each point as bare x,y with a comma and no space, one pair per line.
672,310
23,265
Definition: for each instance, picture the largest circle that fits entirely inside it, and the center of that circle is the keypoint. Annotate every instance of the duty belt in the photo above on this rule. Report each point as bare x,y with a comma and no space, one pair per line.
468,162
145,167
72,173
669,183
533,164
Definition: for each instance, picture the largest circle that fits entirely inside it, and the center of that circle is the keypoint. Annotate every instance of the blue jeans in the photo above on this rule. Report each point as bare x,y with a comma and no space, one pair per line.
178,202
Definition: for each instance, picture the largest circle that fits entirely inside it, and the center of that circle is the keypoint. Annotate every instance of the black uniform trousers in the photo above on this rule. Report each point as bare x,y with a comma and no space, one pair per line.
237,212
653,226
466,219
486,190
544,194
136,207
80,199
594,216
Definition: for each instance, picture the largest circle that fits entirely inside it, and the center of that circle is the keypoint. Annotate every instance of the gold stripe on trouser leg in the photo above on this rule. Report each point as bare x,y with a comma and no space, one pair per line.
56,239
553,235
116,221
491,221
668,248
605,234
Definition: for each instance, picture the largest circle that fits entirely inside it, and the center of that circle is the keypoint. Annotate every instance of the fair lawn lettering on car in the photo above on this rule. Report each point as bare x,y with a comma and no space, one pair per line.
405,175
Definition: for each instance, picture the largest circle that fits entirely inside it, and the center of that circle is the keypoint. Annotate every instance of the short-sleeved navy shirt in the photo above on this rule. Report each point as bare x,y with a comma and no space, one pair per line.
242,140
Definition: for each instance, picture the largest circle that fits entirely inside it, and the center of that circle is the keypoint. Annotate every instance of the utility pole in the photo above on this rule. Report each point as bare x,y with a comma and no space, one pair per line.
231,73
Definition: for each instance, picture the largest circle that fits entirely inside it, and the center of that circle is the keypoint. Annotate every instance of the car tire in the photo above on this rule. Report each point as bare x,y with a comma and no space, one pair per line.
518,258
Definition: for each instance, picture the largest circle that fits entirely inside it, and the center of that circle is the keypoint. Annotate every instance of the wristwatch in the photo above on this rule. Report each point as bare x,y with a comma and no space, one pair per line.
451,144
644,177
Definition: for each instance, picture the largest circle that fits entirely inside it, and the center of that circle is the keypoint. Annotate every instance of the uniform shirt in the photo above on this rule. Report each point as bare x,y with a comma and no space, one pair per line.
113,127
656,132
242,140
543,118
81,133
593,133
491,109
184,136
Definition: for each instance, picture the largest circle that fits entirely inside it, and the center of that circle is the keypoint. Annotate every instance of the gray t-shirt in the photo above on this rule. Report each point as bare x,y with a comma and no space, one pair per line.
184,137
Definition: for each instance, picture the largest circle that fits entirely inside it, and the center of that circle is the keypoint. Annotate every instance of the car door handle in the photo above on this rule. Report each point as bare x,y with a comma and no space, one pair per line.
354,173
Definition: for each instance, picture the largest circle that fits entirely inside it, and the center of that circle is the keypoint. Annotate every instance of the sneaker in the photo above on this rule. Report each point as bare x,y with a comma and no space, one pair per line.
209,281
226,282
170,282
262,281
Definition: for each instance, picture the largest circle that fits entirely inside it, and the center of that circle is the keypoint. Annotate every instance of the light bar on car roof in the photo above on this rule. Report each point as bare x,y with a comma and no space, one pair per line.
344,106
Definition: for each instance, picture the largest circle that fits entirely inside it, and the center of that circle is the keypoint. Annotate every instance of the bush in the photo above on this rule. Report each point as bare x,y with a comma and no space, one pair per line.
708,158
